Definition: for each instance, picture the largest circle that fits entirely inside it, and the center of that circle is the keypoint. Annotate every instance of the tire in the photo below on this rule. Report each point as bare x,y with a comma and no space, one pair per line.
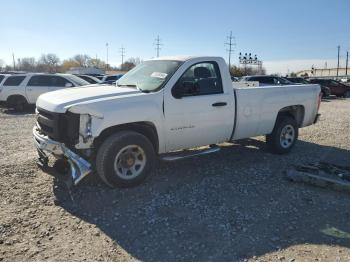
19,103
279,143
125,159
347,94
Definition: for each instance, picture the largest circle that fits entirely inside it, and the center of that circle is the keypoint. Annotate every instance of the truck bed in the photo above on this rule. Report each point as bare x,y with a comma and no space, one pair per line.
258,107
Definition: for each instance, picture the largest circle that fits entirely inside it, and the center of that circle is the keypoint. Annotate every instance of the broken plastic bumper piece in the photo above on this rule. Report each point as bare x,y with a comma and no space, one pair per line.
79,167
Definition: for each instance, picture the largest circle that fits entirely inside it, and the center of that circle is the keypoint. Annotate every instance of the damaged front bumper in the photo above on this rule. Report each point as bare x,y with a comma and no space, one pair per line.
79,167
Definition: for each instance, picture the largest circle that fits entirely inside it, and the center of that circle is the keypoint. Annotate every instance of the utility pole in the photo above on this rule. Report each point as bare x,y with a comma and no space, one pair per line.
107,56
338,60
14,63
347,63
230,50
158,43
122,54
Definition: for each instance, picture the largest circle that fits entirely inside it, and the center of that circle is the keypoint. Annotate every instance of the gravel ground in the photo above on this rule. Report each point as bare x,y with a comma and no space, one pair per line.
234,205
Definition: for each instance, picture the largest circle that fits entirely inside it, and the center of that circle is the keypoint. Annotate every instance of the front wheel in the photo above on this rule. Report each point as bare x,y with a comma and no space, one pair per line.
283,136
125,159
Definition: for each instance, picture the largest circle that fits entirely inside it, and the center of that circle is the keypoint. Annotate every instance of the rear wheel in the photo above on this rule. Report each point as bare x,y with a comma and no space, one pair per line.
125,159
283,136
347,94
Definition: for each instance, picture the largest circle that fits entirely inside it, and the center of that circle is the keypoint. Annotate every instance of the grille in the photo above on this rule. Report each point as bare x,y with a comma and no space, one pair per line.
60,127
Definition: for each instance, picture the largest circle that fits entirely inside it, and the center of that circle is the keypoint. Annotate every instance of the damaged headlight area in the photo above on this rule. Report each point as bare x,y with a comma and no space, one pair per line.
85,132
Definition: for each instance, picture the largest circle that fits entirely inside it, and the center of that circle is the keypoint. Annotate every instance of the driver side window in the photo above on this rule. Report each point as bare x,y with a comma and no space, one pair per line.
201,79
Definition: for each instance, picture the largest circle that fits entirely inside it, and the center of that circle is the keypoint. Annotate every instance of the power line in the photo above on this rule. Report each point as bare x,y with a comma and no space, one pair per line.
107,56
338,60
122,54
158,44
13,60
231,43
347,62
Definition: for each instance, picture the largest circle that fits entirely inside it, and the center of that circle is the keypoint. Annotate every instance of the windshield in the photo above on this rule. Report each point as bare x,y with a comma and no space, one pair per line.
150,75
78,81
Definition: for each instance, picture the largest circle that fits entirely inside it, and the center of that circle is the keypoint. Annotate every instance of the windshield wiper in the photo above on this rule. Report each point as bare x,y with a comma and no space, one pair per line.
126,85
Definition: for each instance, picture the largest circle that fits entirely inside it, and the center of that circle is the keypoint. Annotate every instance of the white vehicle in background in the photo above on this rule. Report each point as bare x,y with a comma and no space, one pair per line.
161,106
3,77
18,91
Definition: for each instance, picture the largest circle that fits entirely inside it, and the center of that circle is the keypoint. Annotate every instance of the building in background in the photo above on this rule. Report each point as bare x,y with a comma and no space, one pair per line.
325,72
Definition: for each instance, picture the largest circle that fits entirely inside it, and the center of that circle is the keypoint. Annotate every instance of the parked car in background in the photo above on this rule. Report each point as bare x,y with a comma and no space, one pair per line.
336,88
267,80
302,81
234,79
110,79
99,77
298,80
18,91
90,79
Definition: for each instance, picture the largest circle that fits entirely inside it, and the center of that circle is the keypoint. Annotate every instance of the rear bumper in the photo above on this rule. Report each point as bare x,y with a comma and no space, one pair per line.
79,167
317,117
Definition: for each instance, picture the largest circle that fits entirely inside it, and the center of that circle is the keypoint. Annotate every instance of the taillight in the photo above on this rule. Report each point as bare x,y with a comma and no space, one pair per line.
319,100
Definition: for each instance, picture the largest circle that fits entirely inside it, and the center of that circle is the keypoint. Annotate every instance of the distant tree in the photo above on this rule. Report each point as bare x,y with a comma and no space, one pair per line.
135,60
82,60
127,66
8,68
249,70
49,63
2,64
236,71
68,64
27,64
95,62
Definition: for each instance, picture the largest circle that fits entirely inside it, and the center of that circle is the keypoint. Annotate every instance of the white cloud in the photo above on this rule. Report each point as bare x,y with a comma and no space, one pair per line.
287,66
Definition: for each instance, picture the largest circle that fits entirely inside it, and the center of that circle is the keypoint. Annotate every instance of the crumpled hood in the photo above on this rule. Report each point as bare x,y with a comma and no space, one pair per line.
59,101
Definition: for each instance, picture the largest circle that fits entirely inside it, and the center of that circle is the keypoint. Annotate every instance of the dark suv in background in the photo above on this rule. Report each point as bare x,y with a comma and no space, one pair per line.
299,80
336,88
268,80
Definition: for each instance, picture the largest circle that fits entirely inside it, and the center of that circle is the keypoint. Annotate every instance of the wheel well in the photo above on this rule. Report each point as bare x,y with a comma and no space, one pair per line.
10,101
296,111
145,128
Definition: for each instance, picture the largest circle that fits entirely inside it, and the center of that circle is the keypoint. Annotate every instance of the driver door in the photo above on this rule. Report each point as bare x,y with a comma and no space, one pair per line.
204,114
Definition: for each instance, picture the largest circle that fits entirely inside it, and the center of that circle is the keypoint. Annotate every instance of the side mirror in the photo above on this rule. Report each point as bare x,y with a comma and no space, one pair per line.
68,85
178,91
185,88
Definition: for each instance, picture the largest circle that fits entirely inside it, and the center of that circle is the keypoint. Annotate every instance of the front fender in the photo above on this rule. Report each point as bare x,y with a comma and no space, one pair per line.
110,113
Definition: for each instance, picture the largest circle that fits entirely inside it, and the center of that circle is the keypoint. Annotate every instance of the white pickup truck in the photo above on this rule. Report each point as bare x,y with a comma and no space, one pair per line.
161,106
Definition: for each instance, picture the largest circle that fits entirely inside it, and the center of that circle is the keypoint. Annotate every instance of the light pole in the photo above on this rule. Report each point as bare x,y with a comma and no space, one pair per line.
106,56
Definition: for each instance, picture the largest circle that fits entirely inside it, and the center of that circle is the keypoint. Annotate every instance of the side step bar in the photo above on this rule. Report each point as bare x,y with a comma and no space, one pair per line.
187,154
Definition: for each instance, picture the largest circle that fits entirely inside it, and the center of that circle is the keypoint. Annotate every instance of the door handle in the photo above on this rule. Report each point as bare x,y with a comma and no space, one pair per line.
219,104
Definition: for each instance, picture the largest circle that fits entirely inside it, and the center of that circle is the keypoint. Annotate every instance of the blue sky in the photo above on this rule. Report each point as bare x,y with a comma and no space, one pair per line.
287,35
